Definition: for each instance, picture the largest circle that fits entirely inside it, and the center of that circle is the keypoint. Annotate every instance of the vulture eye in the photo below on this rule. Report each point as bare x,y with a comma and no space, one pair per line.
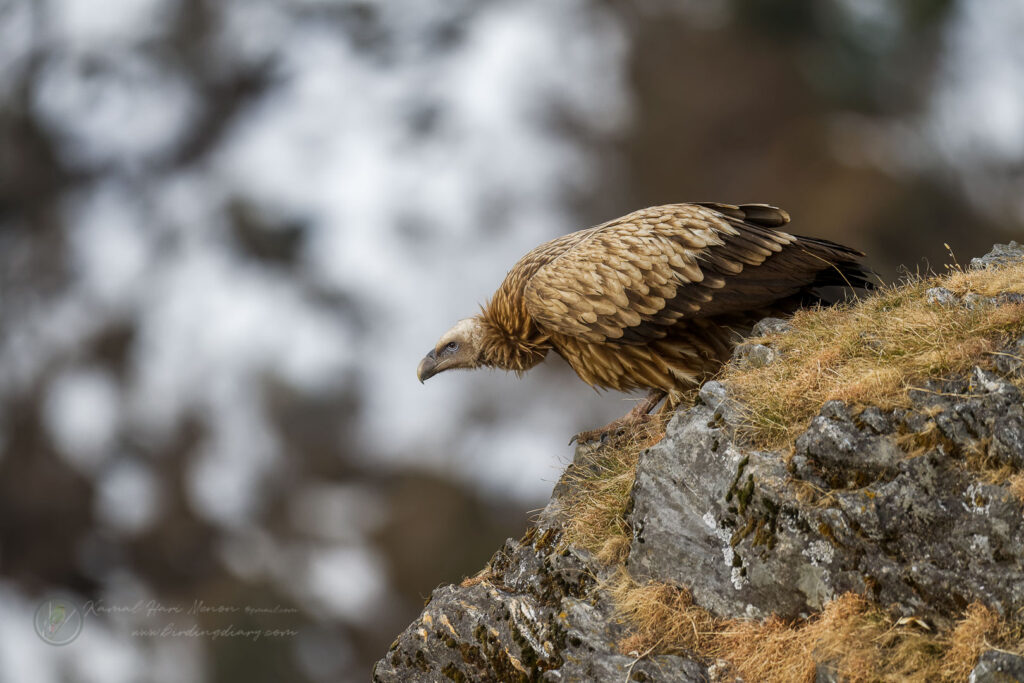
451,347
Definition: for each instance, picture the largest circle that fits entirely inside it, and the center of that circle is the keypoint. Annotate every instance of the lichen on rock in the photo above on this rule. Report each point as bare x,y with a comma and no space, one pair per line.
536,613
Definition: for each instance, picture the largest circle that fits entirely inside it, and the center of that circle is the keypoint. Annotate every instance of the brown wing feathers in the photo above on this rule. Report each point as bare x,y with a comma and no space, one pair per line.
650,299
632,280
758,214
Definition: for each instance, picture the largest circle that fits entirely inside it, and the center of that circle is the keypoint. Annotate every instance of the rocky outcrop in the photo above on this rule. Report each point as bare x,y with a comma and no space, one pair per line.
534,615
919,534
878,502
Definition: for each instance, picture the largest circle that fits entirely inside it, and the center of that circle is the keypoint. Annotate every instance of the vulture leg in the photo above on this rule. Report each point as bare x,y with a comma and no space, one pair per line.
638,415
671,403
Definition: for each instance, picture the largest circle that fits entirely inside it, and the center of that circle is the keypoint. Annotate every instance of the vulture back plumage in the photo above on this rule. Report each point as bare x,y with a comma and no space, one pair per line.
655,299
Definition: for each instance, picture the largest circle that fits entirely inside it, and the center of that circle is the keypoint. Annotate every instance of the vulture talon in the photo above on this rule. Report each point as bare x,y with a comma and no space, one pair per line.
615,428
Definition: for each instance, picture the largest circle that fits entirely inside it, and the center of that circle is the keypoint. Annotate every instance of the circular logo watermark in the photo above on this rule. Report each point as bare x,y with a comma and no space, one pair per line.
58,621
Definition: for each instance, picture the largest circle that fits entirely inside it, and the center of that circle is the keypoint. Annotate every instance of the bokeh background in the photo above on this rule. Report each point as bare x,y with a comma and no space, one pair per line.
229,229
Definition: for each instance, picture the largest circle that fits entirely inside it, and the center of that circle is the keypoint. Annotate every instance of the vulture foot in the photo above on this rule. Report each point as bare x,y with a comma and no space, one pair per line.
635,418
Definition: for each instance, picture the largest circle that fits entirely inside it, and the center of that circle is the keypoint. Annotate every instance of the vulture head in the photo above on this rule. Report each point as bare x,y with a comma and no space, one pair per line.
459,347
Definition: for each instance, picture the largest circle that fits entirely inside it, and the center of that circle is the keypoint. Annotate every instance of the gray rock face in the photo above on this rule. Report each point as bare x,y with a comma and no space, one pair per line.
919,534
883,503
941,296
1001,255
753,355
998,667
537,616
768,326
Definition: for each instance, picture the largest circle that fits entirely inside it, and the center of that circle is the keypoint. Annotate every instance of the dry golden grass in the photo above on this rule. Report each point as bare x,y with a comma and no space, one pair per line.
1016,485
599,488
856,638
873,350
987,282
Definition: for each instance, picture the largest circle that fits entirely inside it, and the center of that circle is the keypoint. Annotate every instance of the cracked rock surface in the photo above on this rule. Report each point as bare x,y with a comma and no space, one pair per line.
918,534
534,616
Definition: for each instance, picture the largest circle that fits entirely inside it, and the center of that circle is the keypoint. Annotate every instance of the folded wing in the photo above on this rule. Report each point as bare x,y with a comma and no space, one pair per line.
631,280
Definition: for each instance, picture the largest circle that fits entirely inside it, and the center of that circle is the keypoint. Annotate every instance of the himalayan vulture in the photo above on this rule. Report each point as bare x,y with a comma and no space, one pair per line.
653,300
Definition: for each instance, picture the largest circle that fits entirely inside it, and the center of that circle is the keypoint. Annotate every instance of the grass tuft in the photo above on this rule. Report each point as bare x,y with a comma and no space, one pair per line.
1016,485
852,636
599,486
873,350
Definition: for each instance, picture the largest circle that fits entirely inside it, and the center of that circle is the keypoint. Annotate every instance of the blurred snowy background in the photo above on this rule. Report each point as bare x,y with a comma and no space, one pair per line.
229,229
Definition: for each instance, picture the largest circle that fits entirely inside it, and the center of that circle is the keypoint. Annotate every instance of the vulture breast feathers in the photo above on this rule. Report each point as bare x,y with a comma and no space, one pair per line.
655,299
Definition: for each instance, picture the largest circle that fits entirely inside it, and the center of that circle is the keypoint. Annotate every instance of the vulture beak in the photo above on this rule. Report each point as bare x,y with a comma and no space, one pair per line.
427,367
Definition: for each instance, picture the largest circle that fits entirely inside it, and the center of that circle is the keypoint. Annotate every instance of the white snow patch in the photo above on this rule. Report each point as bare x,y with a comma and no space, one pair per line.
110,244
83,25
81,412
345,513
129,110
129,498
346,581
